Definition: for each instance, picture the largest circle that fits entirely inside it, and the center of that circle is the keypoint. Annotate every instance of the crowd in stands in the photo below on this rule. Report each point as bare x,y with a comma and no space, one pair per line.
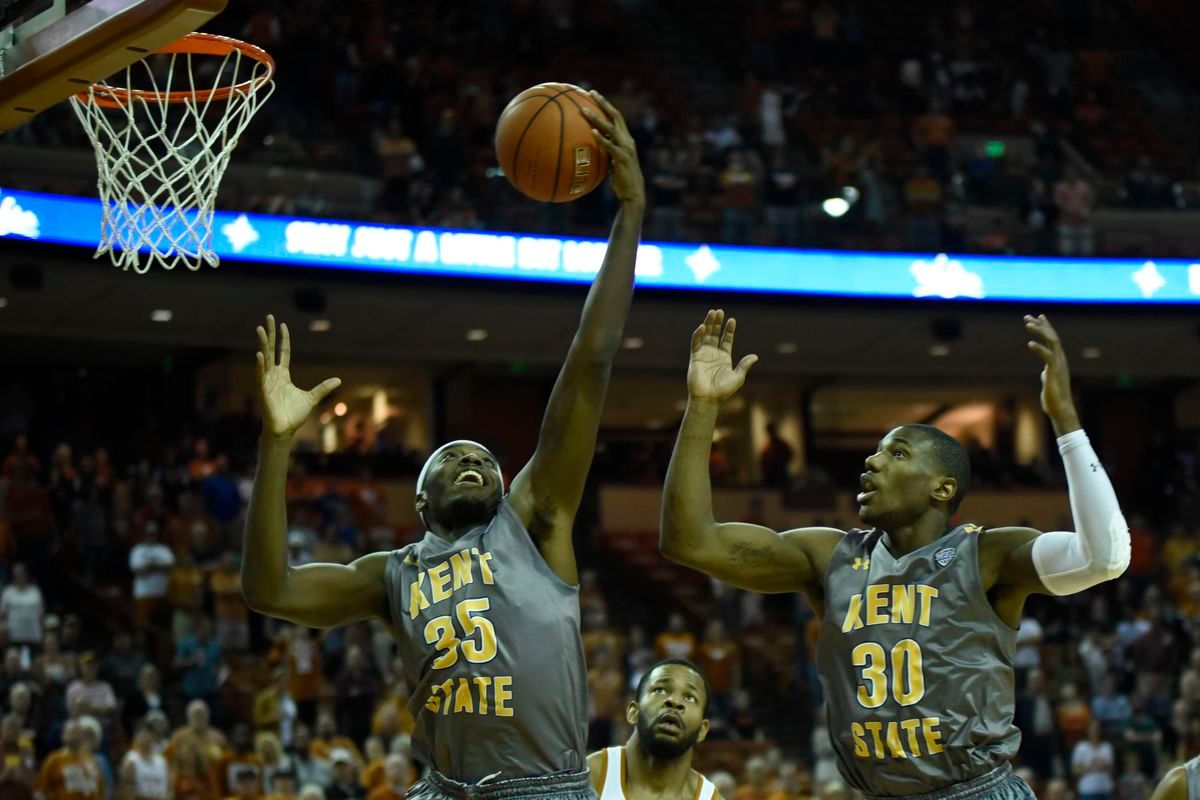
131,662
746,118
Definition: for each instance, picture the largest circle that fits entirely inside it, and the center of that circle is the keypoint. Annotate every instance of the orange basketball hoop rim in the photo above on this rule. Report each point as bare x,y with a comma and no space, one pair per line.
205,44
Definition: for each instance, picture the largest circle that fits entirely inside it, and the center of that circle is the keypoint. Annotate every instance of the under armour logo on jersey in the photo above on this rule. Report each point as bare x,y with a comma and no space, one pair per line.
945,556
1095,467
411,559
861,563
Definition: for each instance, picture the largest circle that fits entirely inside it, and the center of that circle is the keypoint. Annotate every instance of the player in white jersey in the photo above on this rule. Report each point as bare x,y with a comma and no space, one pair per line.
669,715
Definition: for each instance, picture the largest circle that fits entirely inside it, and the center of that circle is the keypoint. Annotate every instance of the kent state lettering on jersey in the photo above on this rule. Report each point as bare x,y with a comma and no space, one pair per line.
436,596
911,654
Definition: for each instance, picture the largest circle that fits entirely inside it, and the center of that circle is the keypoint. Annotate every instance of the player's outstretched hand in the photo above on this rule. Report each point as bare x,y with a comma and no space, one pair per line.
1057,401
711,373
613,135
284,407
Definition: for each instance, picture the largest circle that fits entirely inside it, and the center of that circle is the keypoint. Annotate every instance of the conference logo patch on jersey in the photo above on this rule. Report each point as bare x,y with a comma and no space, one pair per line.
945,556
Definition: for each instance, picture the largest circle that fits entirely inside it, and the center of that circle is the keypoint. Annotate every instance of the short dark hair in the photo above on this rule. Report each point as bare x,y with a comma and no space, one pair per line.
950,456
683,662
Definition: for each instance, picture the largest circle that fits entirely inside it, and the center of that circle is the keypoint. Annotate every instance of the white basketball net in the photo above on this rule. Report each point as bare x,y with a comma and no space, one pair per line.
161,163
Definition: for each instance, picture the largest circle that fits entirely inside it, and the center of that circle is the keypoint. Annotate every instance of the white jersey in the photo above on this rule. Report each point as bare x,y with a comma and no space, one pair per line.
613,787
151,780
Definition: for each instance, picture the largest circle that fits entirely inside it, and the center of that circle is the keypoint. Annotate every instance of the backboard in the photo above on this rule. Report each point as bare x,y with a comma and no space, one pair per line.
49,52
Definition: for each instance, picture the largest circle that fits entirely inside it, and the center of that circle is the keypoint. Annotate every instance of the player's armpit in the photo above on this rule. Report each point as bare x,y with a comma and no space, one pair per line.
329,595
756,558
597,767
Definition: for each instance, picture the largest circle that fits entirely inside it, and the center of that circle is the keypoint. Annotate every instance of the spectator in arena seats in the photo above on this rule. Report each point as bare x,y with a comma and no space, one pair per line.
743,721
54,669
606,692
639,656
23,704
783,197
92,534
392,716
123,666
312,791
775,459
202,465
191,771
21,459
328,739
186,585
221,498
756,780
150,561
399,159
18,758
308,769
233,617
283,785
1092,763
668,188
345,784
398,776
1035,716
95,695
1073,717
1143,734
739,186
247,785
145,698
239,759
933,133
274,758
301,657
1075,200
23,609
676,641
357,689
923,200
274,708
71,772
720,659
1029,645
199,656
1133,783
1111,709
374,754
1056,789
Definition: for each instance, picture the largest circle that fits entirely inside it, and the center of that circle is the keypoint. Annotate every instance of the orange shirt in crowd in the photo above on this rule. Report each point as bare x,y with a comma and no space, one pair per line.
373,775
407,723
227,596
1073,719
304,668
226,768
720,663
70,776
675,645
188,787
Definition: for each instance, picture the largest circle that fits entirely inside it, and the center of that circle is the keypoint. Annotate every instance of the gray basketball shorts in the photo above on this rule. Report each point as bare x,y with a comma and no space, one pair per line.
563,786
999,784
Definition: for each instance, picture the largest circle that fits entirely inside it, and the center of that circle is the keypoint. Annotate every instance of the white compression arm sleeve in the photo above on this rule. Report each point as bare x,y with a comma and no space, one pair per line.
1099,549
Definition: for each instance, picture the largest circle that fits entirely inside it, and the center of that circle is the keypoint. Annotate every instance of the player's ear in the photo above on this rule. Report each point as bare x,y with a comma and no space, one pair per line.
422,503
703,731
946,490
631,712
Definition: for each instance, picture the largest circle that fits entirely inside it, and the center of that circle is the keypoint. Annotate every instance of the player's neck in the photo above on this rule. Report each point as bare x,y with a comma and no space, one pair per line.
927,528
660,777
452,533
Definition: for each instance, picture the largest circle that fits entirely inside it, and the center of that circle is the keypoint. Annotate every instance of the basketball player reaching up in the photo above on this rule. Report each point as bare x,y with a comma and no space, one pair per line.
1181,783
669,714
918,617
485,606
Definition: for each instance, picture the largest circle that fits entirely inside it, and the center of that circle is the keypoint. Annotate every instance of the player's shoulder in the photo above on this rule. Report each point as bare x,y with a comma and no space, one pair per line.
597,764
1005,539
1174,785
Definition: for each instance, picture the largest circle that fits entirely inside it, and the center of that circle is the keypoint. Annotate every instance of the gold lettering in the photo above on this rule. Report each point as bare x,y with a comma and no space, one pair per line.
460,564
860,744
903,603
876,603
502,691
485,571
446,688
893,741
933,736
439,581
483,684
462,698
853,615
927,594
912,726
417,601
875,728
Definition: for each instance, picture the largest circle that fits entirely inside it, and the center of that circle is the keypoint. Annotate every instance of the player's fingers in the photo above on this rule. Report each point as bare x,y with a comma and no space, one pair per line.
322,391
260,365
727,336
746,363
285,346
698,336
608,107
607,145
598,120
271,338
1044,352
262,341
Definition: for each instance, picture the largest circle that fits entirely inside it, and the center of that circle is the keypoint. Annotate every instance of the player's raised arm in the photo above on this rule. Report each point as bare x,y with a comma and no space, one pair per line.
1066,562
315,595
547,492
748,556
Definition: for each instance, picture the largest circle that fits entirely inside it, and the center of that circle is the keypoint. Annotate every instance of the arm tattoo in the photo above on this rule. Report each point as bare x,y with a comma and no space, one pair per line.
746,556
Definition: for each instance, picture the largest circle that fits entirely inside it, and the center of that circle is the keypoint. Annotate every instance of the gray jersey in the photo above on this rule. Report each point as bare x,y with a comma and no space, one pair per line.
1192,770
492,654
917,666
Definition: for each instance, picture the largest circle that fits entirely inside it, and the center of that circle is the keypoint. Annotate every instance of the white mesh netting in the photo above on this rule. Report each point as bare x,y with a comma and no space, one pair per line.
162,151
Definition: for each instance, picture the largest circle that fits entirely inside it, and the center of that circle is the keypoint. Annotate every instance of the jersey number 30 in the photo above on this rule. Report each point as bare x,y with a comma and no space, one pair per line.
908,673
441,634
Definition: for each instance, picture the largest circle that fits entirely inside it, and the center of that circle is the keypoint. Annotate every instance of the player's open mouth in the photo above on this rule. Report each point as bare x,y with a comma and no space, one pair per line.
469,476
868,488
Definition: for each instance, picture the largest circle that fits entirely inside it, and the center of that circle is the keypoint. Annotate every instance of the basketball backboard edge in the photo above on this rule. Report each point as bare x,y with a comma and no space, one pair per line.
86,46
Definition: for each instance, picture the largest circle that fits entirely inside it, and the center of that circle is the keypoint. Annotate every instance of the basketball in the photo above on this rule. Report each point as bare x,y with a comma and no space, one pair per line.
545,145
